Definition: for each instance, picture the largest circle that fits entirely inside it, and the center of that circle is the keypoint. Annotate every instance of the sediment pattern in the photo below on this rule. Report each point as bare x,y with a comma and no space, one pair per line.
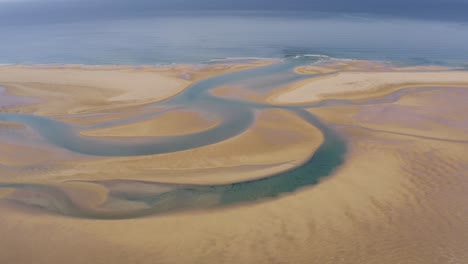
396,193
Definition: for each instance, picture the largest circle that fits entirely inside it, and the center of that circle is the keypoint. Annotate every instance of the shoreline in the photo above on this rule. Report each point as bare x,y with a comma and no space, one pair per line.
104,87
224,162
414,187
361,85
120,132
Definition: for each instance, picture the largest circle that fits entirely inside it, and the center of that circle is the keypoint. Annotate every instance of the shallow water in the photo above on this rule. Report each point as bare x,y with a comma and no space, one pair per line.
8,100
236,118
195,38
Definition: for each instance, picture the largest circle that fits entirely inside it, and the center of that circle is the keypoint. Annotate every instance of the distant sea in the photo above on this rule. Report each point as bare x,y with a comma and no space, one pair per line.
212,36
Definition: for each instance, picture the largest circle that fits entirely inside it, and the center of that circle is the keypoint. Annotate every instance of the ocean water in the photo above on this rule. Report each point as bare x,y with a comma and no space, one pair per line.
204,37
210,38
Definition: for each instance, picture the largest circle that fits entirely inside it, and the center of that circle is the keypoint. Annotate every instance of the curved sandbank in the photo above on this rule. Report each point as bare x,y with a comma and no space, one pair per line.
358,85
236,121
11,125
418,112
124,205
396,199
407,195
236,113
67,89
4,192
342,65
22,160
277,141
176,122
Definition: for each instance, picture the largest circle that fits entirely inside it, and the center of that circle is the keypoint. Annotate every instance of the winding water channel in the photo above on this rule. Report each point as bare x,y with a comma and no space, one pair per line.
236,117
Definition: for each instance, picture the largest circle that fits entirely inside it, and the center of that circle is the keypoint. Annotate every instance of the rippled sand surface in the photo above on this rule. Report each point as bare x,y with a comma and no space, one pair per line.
399,197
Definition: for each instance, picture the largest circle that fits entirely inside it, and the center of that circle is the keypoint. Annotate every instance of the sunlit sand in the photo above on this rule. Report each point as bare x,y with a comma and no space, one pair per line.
398,197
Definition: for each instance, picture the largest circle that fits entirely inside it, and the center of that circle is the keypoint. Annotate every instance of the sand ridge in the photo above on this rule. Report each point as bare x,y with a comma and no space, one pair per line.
65,89
177,122
355,216
278,141
397,199
346,85
341,65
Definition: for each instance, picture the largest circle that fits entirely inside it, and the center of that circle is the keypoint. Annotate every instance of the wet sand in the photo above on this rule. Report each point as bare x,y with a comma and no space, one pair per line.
177,122
398,200
9,125
341,65
278,141
359,85
400,197
71,89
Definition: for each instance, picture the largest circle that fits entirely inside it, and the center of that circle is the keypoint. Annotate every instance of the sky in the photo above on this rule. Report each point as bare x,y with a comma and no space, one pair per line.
36,11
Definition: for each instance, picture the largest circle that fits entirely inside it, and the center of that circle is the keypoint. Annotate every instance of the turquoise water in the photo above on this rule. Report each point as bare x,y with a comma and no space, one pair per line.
213,39
236,116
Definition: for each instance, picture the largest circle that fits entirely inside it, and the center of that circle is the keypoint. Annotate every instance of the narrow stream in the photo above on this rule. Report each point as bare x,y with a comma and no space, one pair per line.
236,118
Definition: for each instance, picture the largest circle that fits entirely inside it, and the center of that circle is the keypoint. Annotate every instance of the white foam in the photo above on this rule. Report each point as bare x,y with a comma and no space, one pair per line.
231,59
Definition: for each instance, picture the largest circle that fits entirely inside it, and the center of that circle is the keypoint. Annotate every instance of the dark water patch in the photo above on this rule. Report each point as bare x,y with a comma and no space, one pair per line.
182,197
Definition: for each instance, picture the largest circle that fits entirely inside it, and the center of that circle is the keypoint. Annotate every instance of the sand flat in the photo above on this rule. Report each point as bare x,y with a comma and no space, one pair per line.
22,154
356,215
277,141
353,84
342,65
83,193
127,85
397,199
338,65
177,122
66,89
4,192
11,125
424,113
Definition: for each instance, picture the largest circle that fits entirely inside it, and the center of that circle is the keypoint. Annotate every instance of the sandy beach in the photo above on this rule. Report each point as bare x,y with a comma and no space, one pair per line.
399,197
395,192
69,89
359,85
341,65
169,123
258,152
233,132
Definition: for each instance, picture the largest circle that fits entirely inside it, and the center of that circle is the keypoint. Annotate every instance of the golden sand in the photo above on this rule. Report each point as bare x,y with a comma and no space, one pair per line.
178,122
4,192
85,194
123,84
382,207
10,125
19,154
72,89
446,120
358,85
399,198
277,141
341,65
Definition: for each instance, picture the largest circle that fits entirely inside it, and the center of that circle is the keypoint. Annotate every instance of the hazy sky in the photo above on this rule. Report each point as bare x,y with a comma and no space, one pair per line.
31,11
